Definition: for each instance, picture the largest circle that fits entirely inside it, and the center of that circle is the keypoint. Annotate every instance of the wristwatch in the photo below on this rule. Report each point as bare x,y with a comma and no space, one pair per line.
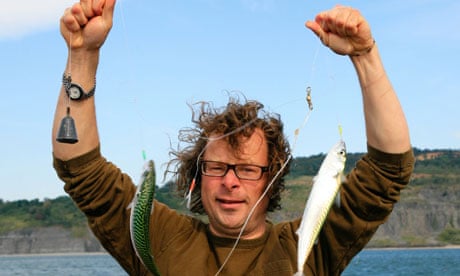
74,91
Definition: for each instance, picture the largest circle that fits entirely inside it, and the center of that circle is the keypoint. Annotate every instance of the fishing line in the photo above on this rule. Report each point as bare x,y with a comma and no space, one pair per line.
131,71
262,196
267,189
251,213
188,196
69,70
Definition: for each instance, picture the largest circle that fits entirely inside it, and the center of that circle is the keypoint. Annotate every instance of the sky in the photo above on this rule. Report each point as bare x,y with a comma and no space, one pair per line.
163,55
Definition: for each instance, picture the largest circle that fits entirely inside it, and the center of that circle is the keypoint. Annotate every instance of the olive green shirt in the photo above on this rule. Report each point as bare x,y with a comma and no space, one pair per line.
183,245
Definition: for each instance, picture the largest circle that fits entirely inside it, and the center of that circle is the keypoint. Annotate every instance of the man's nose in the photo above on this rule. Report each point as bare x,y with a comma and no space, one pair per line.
230,180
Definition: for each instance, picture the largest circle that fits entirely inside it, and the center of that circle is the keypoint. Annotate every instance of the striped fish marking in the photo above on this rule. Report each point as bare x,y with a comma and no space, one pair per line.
141,210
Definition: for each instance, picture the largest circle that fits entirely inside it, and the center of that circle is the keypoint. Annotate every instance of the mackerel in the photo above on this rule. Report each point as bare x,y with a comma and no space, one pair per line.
326,185
141,210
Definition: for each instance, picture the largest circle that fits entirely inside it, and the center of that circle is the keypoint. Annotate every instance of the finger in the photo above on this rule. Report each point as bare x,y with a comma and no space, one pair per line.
340,20
318,31
351,24
69,21
108,7
321,20
79,14
87,7
98,6
313,26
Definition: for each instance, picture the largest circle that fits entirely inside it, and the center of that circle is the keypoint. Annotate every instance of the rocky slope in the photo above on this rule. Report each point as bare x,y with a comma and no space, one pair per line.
46,240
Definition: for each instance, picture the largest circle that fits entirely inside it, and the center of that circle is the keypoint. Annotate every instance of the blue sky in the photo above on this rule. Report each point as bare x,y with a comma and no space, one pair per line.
162,55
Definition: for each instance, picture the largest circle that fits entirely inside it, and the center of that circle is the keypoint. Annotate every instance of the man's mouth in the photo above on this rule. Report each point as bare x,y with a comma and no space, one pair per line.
229,203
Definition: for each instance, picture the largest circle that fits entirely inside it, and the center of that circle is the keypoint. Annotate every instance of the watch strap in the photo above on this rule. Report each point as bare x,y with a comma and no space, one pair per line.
67,83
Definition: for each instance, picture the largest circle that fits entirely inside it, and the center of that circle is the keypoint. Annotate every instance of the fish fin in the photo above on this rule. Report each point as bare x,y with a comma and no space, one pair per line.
337,200
130,205
340,179
151,209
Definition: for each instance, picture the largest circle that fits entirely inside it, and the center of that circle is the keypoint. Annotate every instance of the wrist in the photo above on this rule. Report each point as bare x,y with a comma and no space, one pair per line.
369,68
363,51
82,67
74,90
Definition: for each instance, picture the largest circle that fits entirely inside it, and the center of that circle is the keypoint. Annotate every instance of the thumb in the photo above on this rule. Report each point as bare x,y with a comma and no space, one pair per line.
313,26
107,8
318,31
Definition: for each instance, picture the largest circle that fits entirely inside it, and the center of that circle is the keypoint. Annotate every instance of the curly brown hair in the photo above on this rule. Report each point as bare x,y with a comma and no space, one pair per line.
235,120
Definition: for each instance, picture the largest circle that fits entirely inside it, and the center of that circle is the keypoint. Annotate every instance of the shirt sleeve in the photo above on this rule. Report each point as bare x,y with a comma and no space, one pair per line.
103,193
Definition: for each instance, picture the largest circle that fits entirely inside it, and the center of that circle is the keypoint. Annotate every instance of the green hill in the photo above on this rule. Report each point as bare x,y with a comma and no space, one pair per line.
428,213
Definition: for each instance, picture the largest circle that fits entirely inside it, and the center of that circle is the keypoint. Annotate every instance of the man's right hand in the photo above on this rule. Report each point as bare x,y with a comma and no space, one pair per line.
86,24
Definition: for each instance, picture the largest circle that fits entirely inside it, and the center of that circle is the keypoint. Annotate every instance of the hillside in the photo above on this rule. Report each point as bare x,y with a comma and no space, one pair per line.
427,215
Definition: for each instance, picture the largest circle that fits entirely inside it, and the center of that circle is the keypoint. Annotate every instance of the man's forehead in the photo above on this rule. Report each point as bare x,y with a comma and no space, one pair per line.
247,146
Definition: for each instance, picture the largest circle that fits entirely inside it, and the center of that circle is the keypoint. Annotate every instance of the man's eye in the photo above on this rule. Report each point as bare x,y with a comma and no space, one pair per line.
247,169
216,168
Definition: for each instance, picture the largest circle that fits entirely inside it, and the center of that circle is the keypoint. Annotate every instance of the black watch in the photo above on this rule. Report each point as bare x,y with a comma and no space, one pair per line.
75,91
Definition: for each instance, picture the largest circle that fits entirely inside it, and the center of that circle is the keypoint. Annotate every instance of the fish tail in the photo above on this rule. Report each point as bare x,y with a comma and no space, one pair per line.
153,268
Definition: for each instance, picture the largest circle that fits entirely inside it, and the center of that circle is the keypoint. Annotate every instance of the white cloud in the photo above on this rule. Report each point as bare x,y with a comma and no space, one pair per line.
22,17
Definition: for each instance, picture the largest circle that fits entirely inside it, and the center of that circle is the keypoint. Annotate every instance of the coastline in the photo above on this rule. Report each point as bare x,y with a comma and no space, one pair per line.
447,247
56,254
451,246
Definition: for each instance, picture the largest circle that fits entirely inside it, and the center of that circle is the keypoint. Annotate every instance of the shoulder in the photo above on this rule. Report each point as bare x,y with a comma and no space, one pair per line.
171,224
285,233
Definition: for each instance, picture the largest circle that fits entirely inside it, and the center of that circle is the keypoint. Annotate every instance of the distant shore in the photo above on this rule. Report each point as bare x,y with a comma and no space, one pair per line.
56,254
105,253
414,248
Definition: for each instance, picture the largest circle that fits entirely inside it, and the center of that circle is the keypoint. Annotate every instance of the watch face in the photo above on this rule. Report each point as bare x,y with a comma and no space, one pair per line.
74,92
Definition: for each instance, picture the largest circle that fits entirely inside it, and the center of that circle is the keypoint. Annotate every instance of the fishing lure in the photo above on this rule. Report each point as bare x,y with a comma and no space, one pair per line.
308,98
326,185
141,210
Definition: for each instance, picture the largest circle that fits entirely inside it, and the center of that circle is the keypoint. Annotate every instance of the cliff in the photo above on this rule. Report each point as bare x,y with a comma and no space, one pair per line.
428,216
44,240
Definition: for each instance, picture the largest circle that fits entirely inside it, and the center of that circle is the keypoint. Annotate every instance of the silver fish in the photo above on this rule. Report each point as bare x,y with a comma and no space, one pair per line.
141,210
325,189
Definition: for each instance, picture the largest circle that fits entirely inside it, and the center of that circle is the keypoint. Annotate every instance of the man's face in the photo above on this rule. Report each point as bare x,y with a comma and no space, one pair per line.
227,199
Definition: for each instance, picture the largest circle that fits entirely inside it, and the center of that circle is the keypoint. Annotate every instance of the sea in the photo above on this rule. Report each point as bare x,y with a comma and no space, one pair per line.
374,262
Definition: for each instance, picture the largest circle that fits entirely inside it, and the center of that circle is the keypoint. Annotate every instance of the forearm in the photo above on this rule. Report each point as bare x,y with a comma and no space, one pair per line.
386,126
82,67
84,27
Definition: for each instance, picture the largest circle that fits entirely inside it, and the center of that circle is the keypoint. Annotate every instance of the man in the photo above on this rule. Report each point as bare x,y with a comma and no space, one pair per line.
234,154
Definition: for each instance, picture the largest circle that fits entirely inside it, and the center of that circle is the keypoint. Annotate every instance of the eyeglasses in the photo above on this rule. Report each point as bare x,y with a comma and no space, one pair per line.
242,171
